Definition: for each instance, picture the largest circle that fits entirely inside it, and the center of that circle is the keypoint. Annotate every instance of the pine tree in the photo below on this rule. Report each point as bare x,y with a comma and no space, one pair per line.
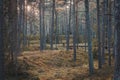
117,28
74,31
1,42
99,36
52,25
88,26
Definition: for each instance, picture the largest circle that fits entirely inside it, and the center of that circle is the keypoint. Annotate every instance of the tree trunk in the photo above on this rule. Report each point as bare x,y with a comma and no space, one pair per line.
99,36
74,31
52,25
68,28
41,25
2,77
89,33
103,34
109,31
117,28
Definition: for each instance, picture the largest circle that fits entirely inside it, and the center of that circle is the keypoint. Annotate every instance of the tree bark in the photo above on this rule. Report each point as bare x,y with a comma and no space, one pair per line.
117,28
52,25
99,36
89,33
1,42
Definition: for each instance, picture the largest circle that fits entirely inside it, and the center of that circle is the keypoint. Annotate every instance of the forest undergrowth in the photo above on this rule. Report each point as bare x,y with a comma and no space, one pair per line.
59,65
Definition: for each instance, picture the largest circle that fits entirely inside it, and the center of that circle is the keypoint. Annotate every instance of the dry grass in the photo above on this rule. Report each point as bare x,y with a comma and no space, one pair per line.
59,65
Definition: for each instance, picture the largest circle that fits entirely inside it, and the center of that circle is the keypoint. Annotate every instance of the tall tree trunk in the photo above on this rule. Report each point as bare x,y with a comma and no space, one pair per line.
19,24
2,77
103,34
20,21
41,26
68,30
13,32
109,32
114,31
13,26
52,25
77,32
89,33
74,31
56,29
24,24
99,36
117,28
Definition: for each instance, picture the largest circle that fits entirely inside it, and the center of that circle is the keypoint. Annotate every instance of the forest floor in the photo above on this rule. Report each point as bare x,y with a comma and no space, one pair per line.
59,65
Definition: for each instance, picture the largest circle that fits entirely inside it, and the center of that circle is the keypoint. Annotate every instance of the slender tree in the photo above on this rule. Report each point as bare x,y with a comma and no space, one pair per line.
103,33
2,77
114,31
91,67
52,25
56,29
117,28
19,23
77,32
41,26
74,31
99,36
109,32
24,24
68,27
